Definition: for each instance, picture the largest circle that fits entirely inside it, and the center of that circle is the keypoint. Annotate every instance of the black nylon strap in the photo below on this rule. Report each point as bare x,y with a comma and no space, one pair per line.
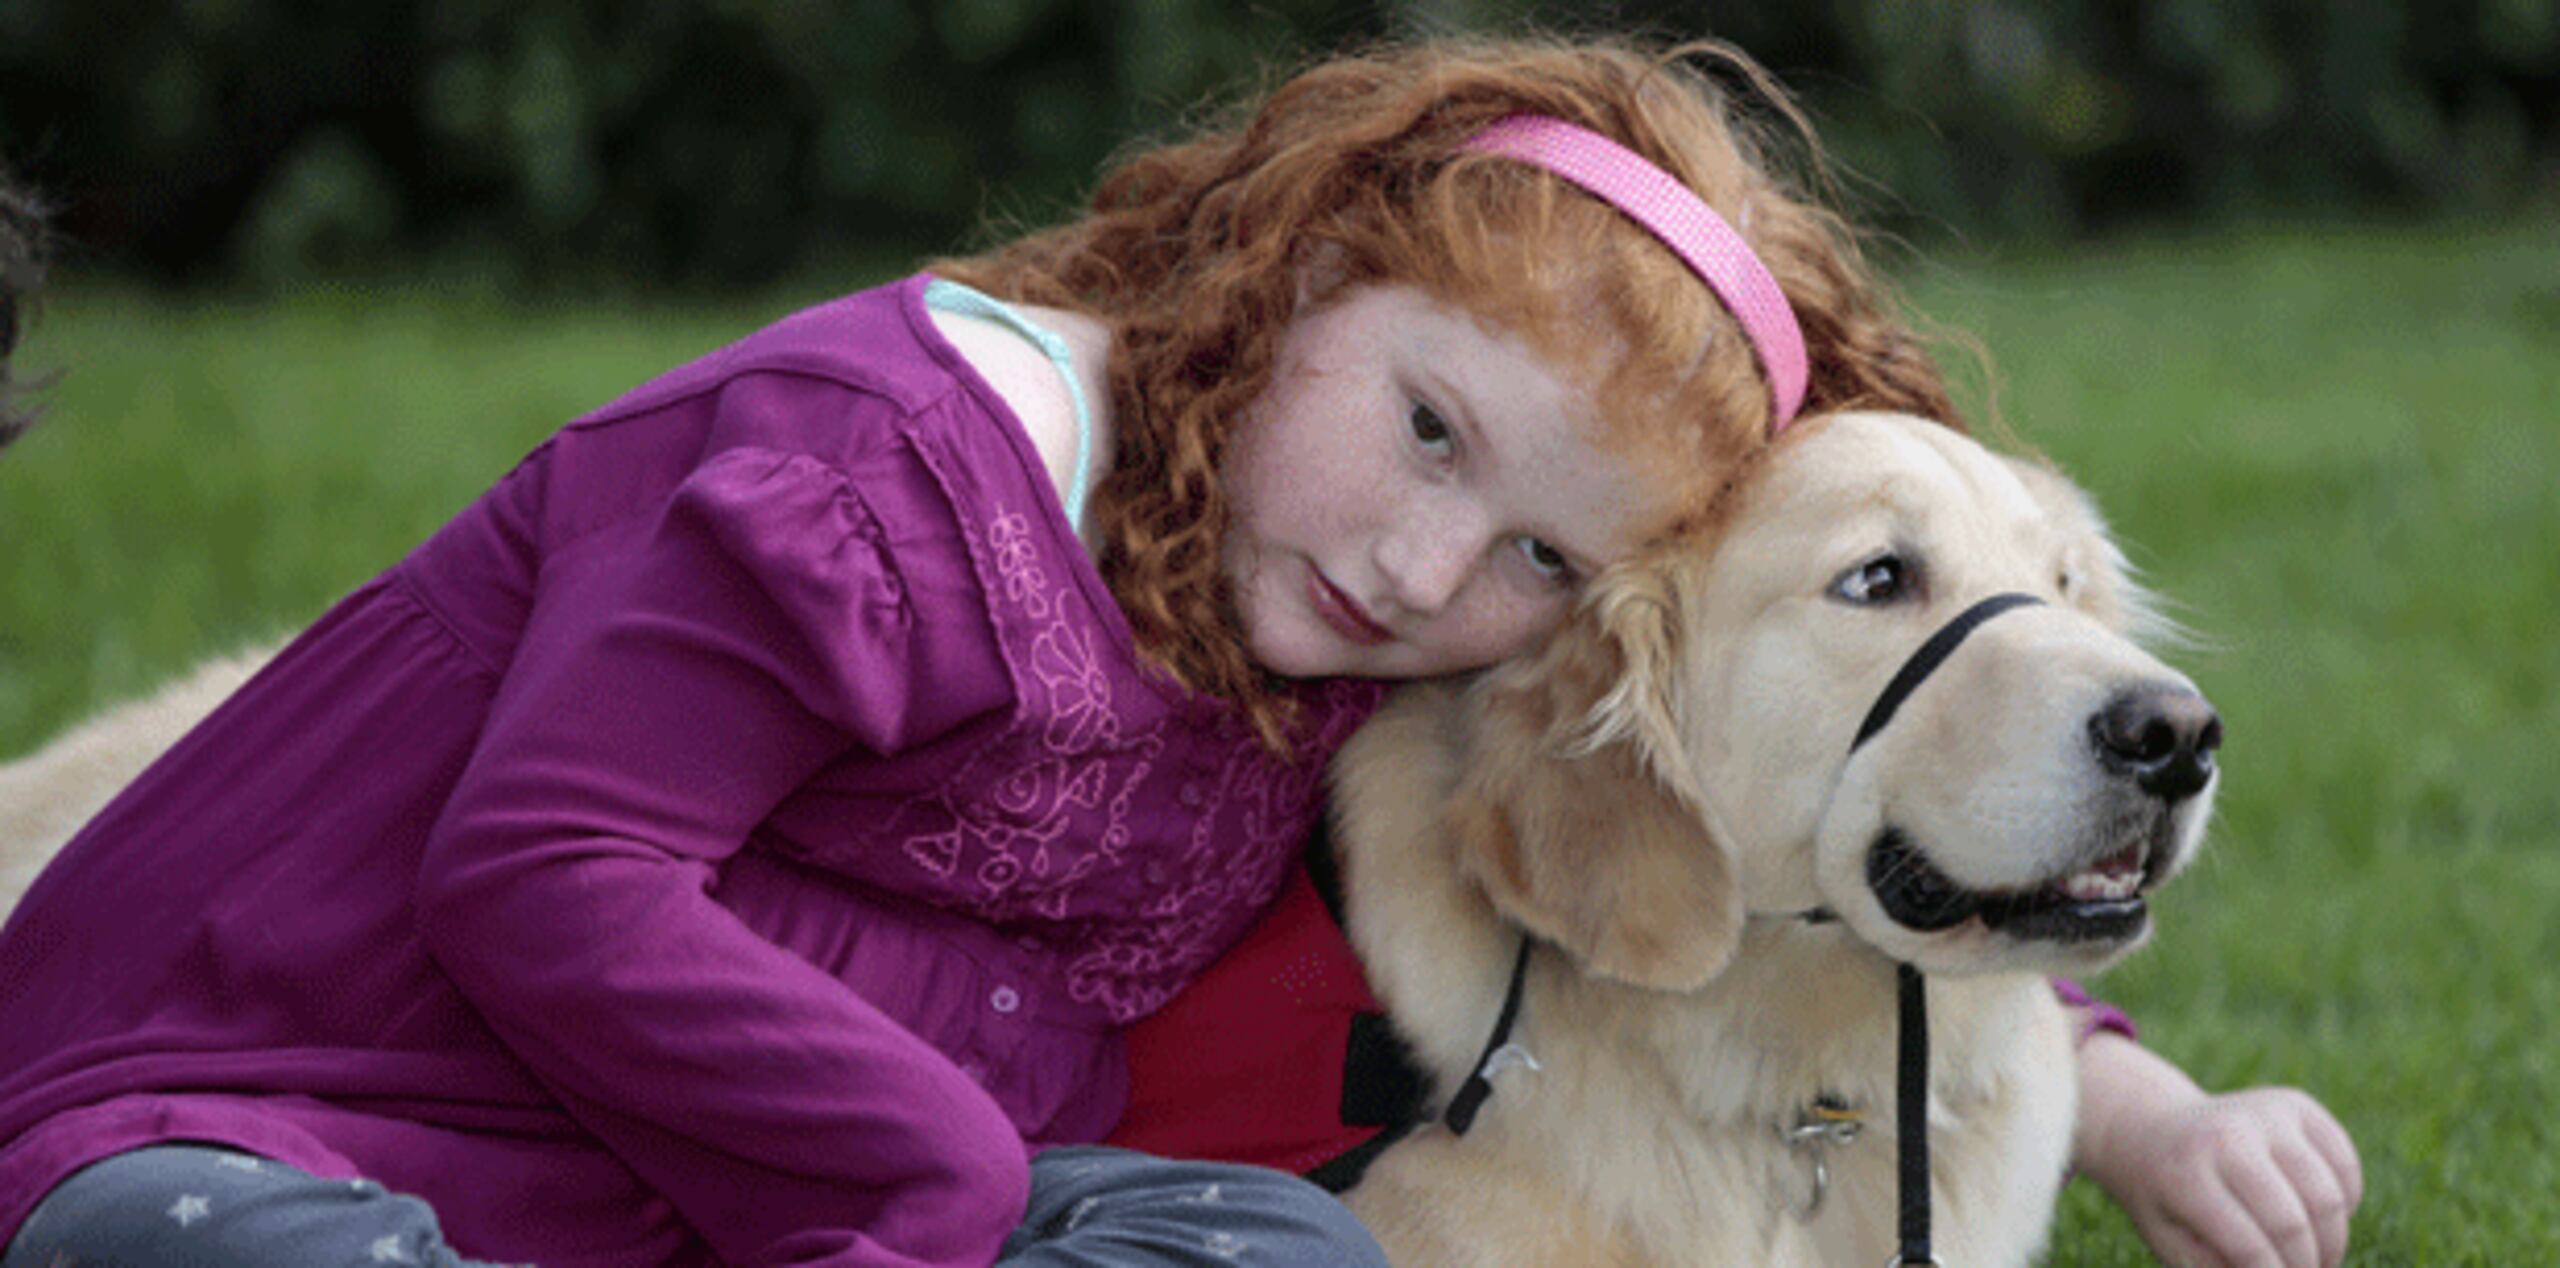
1342,1172
1461,1113
1911,1117
1911,1064
1932,654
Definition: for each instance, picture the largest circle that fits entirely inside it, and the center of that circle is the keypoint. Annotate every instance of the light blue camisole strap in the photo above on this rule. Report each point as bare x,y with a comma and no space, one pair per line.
952,297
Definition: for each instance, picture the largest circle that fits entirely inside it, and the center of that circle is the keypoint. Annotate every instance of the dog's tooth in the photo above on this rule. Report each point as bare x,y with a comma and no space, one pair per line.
2098,885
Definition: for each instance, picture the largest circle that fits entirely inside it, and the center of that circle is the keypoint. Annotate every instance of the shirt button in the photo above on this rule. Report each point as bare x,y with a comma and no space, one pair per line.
1004,999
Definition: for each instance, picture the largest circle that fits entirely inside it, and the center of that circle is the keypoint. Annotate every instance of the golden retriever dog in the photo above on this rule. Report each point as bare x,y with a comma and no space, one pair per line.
1670,805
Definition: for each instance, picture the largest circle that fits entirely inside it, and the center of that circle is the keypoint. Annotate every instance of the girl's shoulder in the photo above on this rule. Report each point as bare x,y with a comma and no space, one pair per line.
1054,392
874,342
1037,375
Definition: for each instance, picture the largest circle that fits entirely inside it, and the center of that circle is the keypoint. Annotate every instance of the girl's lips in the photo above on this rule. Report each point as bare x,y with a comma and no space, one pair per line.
1343,613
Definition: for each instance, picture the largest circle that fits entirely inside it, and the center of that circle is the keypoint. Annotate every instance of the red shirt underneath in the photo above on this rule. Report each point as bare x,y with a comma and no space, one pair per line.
1246,1064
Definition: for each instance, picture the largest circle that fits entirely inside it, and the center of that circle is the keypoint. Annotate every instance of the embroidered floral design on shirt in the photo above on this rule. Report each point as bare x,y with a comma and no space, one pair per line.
1080,715
1247,824
1046,804
1017,559
1150,828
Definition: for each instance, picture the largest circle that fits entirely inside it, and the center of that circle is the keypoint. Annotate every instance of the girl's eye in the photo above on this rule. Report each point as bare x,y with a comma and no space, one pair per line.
1549,561
1429,429
1881,580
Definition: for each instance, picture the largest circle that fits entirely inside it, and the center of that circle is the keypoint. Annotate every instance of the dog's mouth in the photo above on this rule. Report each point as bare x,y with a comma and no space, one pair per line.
2098,903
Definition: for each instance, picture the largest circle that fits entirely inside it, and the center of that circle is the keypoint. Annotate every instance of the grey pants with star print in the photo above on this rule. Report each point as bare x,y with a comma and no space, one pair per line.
208,1207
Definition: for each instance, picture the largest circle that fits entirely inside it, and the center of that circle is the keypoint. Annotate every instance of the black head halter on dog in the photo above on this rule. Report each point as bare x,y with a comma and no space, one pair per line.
1911,1066
1911,1060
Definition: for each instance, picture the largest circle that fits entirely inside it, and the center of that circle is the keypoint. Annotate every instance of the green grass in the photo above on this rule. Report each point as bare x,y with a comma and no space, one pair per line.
2334,449
209,474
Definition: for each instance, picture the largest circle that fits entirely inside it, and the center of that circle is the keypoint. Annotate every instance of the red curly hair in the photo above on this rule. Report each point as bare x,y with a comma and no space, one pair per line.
1198,253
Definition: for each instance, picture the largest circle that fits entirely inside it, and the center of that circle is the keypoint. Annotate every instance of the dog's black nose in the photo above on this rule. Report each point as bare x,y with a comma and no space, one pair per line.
2163,738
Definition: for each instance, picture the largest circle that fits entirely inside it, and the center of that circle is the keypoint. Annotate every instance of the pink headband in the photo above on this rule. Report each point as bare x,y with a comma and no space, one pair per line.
1674,213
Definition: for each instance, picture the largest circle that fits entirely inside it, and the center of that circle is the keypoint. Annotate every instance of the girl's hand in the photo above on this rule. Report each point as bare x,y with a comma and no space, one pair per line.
2265,1176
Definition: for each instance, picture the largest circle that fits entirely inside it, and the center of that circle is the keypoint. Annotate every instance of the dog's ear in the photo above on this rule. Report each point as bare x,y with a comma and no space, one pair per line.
1571,814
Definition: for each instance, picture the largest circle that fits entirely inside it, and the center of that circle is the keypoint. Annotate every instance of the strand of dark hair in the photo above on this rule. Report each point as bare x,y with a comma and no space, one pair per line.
25,244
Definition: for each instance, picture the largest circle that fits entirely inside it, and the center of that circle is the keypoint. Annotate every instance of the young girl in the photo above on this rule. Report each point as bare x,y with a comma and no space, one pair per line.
740,836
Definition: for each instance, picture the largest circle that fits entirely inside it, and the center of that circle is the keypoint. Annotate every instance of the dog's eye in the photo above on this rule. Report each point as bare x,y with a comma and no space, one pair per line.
1883,579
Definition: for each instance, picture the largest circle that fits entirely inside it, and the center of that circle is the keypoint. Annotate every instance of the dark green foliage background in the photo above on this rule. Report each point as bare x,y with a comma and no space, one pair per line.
735,141
693,143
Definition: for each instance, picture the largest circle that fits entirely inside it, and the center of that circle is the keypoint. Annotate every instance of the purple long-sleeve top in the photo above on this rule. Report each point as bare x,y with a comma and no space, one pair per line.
735,838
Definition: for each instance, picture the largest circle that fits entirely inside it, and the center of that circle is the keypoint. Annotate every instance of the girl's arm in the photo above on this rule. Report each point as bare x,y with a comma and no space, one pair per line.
669,691
2261,1176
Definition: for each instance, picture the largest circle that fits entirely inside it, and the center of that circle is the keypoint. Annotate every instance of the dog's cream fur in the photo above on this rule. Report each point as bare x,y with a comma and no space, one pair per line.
46,796
1651,798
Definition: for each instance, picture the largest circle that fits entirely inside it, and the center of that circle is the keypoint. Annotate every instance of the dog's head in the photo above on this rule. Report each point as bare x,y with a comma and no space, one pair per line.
1684,757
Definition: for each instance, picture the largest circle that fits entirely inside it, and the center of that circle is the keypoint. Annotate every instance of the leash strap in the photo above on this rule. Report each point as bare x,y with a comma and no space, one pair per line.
1911,1117
1472,1094
1911,1063
1932,654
